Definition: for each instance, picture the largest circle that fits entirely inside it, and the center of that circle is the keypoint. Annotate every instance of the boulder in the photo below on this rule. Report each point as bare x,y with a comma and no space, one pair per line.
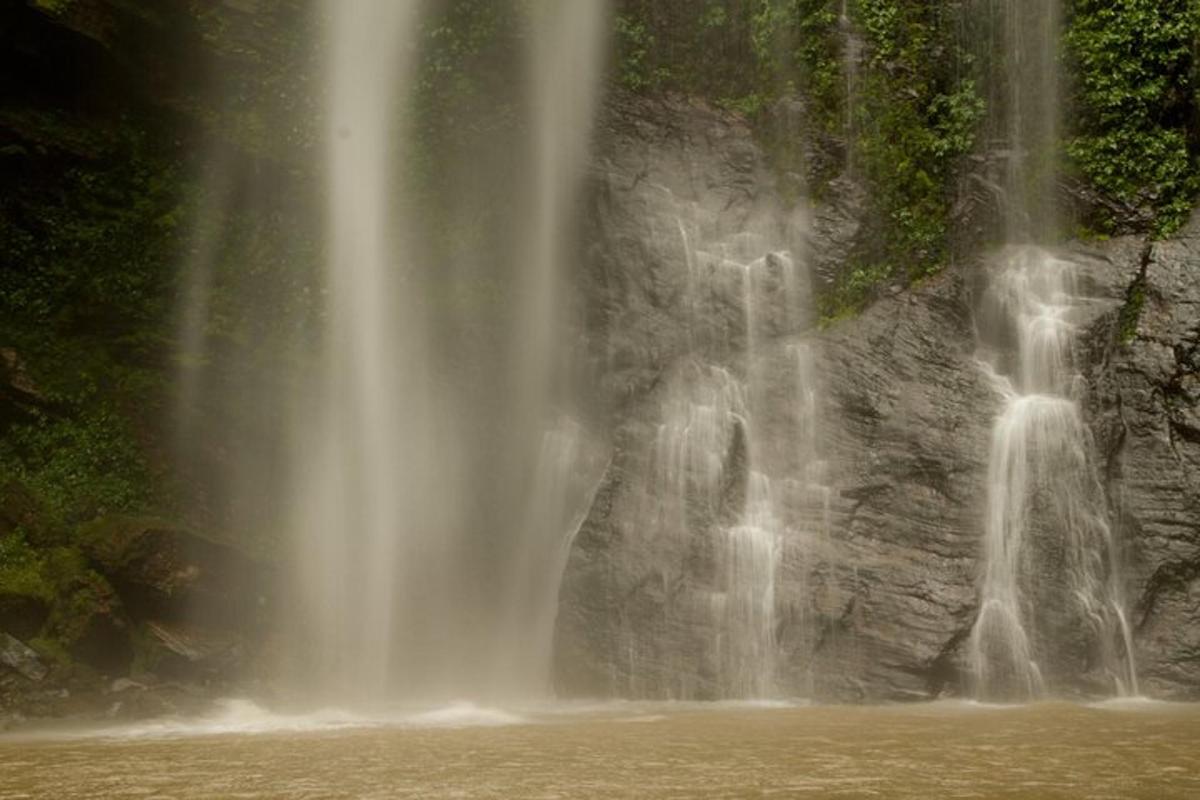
15,655
163,572
88,620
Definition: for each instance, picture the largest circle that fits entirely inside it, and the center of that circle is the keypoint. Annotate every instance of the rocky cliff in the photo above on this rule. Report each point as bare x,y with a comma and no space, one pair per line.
1144,399
874,592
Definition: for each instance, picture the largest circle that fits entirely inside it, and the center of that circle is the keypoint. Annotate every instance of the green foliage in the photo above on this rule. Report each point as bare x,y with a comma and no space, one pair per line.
87,251
915,118
635,70
60,577
703,47
1131,312
92,253
469,69
22,568
914,114
1137,139
797,46
80,465
856,288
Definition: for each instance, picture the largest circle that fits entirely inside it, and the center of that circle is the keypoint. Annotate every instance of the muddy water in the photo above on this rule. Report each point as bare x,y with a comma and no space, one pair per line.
634,751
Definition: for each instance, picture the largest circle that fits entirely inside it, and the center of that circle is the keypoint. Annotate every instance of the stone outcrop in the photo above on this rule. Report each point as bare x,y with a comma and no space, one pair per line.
874,600
15,655
163,572
197,603
1145,403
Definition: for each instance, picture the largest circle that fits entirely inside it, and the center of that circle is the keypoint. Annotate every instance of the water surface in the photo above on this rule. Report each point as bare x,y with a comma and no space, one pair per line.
1127,750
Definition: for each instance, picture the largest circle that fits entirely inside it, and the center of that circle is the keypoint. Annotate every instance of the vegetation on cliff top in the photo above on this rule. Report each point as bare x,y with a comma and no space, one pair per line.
1138,134
1133,132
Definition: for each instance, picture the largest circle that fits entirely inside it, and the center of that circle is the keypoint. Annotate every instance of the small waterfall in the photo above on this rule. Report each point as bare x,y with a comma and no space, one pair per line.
1052,607
1051,580
732,460
852,49
1017,43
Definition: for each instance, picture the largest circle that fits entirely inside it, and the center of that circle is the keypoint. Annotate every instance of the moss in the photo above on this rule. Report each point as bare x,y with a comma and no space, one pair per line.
856,287
88,233
917,118
700,47
86,618
1131,311
59,578
54,7
79,466
22,569
52,650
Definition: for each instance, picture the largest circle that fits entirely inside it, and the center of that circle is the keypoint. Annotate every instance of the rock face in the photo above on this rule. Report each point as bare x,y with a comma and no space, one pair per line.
196,602
691,287
1145,401
166,573
15,655
873,590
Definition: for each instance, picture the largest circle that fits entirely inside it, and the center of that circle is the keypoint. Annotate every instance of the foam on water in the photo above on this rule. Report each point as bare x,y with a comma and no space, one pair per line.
242,717
463,715
1137,703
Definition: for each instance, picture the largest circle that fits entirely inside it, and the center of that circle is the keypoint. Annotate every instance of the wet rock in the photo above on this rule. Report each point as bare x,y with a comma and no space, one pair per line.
88,620
163,572
673,187
693,248
834,235
883,607
906,418
1144,401
161,700
124,685
182,651
15,655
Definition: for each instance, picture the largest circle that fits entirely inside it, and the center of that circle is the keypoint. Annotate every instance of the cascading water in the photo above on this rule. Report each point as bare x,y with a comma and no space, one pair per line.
717,483
1051,598
428,562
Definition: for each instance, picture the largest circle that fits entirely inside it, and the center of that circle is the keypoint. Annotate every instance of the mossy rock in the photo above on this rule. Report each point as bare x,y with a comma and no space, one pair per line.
87,619
167,573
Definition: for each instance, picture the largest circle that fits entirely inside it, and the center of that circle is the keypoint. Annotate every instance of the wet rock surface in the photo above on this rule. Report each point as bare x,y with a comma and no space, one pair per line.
879,605
1145,403
167,573
15,655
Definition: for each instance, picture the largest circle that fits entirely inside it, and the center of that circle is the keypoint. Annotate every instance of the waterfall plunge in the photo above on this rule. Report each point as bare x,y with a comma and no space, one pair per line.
1051,599
423,568
1051,566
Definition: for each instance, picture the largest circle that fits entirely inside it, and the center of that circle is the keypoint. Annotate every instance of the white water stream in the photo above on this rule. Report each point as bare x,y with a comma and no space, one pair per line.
1051,592
424,566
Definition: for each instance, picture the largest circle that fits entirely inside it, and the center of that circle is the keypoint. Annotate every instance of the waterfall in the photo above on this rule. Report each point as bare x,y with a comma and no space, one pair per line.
852,47
1052,607
732,466
433,500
